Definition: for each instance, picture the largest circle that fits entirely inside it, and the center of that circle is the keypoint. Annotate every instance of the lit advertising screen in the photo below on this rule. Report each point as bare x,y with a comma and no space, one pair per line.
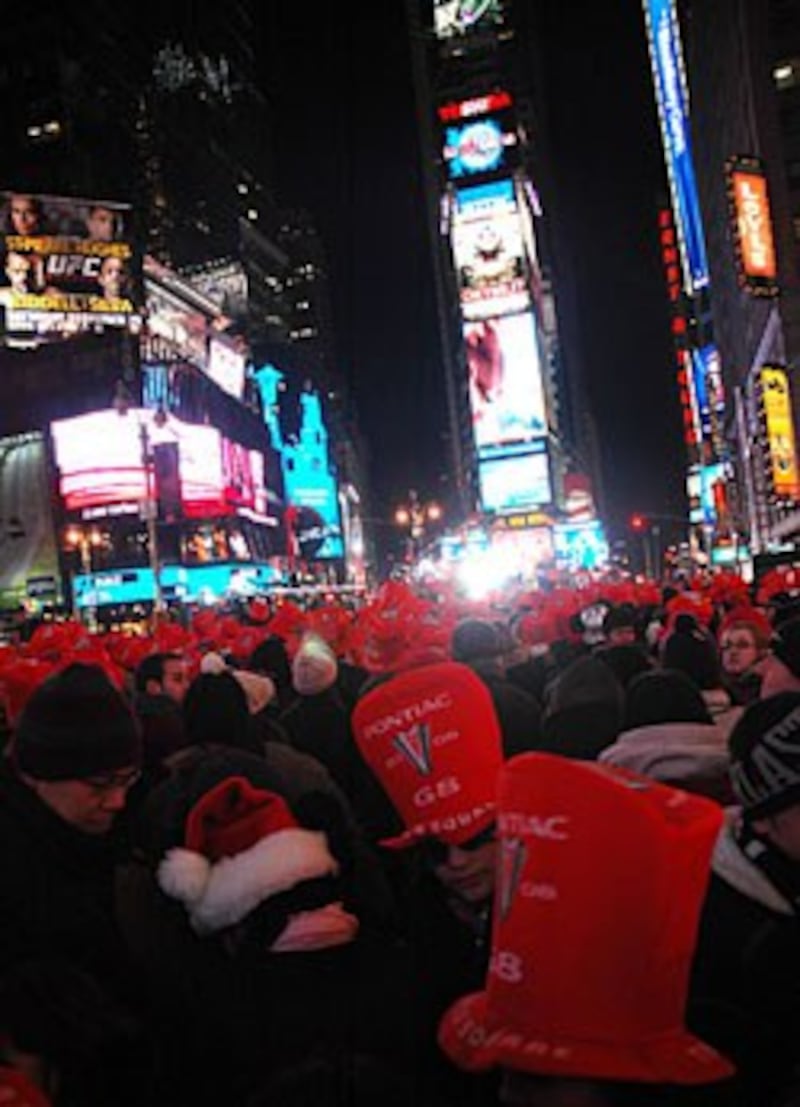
244,486
755,248
710,475
309,477
27,541
694,495
66,265
457,19
526,549
311,487
100,465
581,546
488,251
667,64
172,319
226,367
709,397
505,382
189,584
99,458
780,430
513,483
478,146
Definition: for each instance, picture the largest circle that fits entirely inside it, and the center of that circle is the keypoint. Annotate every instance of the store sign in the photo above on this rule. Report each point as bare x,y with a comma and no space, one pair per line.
668,75
781,443
752,220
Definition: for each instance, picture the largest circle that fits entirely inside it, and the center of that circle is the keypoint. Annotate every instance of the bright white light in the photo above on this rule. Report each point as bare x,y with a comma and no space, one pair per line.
242,189
252,213
484,571
782,72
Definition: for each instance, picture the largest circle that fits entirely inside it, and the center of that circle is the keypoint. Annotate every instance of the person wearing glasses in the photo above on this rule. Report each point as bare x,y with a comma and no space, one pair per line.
74,754
743,642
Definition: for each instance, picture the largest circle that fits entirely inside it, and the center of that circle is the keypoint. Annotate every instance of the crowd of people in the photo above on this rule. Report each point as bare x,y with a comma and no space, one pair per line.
542,850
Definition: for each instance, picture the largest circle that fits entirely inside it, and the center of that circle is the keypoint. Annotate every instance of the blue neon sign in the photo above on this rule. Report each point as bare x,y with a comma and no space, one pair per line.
308,473
667,62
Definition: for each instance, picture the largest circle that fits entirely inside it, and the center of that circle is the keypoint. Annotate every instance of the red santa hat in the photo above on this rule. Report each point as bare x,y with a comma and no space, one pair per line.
601,877
432,738
242,846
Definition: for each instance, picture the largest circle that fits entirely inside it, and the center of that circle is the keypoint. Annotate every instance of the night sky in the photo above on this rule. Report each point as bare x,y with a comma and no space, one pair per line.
347,149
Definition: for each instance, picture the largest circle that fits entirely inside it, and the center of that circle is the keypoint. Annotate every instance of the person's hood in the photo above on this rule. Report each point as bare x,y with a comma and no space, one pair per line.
671,751
730,864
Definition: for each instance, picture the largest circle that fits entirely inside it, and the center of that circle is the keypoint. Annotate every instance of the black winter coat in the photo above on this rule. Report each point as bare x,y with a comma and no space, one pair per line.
745,989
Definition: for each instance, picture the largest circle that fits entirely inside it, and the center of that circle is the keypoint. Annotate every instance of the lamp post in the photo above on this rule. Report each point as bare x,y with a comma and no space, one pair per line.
85,541
416,516
122,401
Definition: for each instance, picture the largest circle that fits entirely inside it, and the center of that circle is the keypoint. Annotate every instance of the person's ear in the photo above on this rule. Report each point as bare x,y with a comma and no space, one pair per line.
153,686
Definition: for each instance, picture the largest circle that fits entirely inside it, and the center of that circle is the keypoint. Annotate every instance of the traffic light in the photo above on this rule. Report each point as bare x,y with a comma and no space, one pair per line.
638,522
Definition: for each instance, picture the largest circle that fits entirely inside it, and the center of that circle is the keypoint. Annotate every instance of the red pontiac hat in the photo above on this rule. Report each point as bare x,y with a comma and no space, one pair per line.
601,878
431,737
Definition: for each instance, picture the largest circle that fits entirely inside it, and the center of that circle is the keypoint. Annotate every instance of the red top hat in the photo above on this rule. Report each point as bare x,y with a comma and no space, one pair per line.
432,738
601,877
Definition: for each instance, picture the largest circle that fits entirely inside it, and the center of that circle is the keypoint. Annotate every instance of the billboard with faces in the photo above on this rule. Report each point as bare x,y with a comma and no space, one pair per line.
488,251
505,382
66,266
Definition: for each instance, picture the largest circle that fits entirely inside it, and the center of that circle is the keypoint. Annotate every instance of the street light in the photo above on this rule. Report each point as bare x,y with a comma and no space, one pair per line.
122,402
85,541
415,516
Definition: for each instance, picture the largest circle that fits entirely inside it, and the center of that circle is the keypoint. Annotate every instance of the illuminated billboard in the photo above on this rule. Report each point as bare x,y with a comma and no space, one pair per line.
172,319
709,398
752,221
66,265
481,145
666,58
101,469
188,584
313,518
226,367
458,19
27,541
489,251
505,382
516,482
581,546
781,442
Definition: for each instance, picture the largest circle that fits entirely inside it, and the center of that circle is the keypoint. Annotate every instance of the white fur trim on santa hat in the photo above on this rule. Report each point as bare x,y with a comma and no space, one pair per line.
237,885
183,874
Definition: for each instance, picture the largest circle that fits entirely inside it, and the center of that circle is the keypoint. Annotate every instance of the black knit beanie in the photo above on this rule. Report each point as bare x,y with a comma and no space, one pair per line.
76,725
765,755
691,650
